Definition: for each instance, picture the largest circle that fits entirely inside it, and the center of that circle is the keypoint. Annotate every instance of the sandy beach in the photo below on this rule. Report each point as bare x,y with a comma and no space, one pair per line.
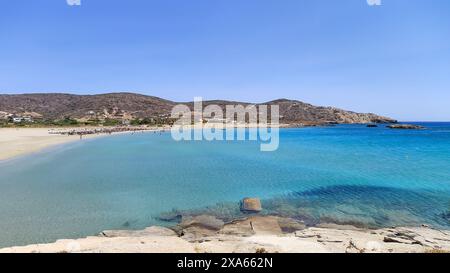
20,141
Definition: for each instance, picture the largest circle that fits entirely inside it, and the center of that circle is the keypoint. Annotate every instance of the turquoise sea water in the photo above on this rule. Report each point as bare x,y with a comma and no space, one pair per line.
346,174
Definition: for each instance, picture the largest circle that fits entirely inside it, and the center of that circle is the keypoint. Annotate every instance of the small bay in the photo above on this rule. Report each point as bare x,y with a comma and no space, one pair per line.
344,173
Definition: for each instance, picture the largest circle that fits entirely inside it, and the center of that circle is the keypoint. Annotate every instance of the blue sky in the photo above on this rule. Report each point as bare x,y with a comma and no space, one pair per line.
392,59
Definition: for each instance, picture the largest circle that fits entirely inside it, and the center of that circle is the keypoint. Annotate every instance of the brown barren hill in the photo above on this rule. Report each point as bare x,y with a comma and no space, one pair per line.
53,106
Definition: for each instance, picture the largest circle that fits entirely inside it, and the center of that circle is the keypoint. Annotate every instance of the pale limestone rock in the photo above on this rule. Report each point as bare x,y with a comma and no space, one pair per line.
256,234
154,230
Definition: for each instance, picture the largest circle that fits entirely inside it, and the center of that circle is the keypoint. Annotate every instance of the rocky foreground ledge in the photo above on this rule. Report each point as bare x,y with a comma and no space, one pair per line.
255,234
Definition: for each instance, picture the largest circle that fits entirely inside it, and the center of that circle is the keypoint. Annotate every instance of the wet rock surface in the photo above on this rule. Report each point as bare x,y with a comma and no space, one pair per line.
192,228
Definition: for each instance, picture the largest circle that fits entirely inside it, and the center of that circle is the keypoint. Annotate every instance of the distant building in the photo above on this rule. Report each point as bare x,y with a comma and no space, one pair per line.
22,119
215,120
28,119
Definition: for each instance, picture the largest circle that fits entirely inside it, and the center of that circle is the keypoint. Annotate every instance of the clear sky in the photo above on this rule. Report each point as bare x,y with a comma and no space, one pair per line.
392,59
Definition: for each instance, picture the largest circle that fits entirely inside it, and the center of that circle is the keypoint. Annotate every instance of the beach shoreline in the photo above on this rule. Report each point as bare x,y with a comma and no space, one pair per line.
16,142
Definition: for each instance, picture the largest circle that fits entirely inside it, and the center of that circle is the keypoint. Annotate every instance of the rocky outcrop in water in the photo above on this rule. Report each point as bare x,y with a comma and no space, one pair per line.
251,205
406,127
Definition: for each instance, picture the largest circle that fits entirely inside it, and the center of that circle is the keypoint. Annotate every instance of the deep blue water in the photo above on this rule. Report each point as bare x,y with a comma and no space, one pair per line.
347,174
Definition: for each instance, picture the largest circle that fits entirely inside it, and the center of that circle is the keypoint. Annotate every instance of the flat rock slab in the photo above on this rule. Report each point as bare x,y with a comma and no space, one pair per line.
253,225
147,244
199,227
150,231
202,221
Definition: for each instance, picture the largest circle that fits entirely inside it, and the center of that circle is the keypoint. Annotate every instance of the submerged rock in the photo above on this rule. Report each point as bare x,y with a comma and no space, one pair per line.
171,216
253,225
446,216
197,227
202,221
406,127
289,225
372,125
251,205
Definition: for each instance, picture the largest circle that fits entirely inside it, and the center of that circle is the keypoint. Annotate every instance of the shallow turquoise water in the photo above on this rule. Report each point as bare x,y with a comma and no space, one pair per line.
346,173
